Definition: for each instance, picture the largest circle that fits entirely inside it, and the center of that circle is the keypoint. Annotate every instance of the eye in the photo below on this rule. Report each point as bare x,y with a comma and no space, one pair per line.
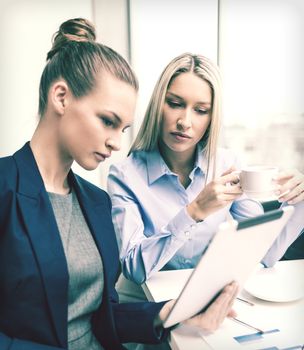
174,104
107,122
202,111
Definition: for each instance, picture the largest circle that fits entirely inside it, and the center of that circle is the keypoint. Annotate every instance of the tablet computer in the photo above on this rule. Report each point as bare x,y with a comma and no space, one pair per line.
232,255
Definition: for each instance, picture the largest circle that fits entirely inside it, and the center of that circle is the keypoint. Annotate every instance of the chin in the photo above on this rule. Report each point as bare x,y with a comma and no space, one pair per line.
88,166
180,148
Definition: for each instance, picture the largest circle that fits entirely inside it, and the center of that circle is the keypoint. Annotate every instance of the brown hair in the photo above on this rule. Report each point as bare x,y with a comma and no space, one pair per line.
77,58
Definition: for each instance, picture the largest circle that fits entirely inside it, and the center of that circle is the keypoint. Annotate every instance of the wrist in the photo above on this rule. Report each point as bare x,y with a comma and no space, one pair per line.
163,313
195,213
158,322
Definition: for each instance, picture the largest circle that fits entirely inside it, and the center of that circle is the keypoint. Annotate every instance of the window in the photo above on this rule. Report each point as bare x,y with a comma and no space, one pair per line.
259,46
261,57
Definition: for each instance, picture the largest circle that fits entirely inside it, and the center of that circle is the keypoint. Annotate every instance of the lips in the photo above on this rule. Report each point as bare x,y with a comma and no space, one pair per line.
106,155
180,135
101,156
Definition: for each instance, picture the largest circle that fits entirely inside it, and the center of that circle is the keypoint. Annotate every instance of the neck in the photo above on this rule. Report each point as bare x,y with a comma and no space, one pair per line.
53,164
181,163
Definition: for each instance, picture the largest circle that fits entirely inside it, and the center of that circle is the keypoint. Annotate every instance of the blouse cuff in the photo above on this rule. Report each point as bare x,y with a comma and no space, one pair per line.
182,225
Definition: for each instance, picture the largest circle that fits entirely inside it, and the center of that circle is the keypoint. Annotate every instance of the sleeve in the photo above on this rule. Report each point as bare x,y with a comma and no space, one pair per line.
245,208
142,252
7,343
135,322
289,234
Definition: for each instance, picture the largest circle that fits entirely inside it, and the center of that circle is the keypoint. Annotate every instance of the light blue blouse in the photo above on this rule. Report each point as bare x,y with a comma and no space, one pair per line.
153,228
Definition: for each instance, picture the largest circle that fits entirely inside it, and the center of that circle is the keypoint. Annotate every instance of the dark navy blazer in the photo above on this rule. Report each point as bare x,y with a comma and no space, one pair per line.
33,268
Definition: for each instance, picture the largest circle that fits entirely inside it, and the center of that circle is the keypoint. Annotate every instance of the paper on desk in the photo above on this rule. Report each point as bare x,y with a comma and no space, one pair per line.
288,318
226,340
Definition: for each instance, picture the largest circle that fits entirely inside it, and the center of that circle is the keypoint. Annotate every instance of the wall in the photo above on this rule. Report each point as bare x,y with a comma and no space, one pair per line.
26,28
259,44
161,30
261,59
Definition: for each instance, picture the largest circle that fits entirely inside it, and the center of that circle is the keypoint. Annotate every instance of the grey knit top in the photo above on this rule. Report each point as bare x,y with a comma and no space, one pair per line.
85,271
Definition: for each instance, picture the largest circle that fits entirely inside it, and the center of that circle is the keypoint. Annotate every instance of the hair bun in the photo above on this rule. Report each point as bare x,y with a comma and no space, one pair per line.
77,29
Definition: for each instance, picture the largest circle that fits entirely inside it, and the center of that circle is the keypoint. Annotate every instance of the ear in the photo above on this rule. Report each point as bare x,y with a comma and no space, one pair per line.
58,96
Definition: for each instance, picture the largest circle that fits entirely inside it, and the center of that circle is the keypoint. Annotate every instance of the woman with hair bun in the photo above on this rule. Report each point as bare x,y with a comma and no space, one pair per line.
58,253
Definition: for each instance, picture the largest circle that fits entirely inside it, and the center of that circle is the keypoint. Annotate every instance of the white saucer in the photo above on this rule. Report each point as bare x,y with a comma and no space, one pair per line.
282,283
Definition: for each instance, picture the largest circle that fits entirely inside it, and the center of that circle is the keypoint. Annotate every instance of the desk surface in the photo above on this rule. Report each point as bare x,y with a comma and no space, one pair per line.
282,321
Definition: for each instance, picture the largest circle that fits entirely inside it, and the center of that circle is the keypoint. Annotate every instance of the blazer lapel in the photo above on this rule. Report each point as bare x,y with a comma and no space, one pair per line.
42,230
43,233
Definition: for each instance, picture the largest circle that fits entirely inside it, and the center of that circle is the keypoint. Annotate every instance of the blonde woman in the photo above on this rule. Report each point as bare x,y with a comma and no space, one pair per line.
177,185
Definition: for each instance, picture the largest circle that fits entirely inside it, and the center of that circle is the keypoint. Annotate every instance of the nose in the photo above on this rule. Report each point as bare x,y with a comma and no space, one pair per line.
184,121
113,143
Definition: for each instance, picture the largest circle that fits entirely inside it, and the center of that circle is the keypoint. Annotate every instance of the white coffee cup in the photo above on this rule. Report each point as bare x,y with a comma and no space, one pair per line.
258,182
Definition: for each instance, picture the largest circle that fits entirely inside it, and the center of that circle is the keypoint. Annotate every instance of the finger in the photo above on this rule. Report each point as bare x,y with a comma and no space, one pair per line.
282,181
294,194
282,178
286,175
232,313
293,198
297,199
224,310
288,195
231,297
235,294
232,189
291,184
214,315
228,171
208,320
226,199
164,312
222,304
232,177
216,312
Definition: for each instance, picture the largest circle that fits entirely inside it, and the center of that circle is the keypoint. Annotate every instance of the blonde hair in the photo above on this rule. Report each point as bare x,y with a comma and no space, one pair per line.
148,135
77,58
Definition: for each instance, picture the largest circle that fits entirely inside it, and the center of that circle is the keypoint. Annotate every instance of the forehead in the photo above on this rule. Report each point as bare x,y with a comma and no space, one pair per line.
114,95
190,86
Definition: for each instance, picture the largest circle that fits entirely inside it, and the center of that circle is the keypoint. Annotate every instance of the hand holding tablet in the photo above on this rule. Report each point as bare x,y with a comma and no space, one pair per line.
232,255
215,314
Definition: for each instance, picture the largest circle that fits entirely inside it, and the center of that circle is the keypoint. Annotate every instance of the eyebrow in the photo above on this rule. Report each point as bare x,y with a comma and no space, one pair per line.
118,119
113,114
180,98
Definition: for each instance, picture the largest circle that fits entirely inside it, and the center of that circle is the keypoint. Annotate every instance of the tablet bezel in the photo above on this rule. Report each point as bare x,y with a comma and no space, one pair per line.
233,235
